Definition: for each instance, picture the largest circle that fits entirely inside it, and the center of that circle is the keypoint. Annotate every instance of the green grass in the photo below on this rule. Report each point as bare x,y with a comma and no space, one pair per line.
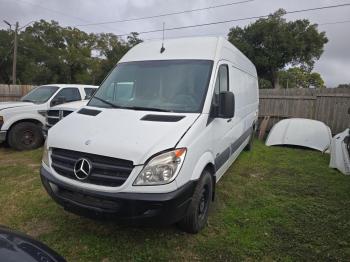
273,204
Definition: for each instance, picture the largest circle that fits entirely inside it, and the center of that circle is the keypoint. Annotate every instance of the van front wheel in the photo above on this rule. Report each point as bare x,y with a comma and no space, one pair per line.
197,213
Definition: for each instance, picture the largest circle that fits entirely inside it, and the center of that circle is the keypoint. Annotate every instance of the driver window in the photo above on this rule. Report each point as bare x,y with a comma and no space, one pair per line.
221,83
68,95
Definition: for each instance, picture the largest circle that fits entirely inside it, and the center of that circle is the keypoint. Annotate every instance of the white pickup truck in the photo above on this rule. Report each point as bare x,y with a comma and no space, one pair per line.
21,121
56,113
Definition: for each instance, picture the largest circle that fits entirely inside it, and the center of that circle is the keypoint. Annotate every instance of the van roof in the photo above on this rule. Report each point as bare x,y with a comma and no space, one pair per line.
204,48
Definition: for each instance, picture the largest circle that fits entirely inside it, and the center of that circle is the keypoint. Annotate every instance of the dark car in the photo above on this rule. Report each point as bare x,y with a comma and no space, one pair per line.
15,246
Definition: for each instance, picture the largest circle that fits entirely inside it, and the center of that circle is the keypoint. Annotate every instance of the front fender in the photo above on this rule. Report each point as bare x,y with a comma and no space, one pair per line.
204,160
22,117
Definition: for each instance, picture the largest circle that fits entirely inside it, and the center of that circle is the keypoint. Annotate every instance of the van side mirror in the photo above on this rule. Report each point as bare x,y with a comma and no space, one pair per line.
58,100
227,104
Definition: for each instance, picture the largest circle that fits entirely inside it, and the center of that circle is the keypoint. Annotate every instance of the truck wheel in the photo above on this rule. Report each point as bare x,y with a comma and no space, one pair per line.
249,146
25,136
197,213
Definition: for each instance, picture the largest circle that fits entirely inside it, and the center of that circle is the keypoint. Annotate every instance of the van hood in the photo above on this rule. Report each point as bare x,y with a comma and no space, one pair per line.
6,105
119,133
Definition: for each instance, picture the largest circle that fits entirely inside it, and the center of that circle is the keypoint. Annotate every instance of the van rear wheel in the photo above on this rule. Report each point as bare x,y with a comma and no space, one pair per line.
197,213
249,146
25,136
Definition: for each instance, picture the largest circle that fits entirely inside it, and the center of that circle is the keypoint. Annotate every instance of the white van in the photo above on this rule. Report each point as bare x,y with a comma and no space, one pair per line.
21,121
157,135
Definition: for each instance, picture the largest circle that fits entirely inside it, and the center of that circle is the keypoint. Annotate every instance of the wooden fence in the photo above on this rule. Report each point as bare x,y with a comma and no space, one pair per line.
13,92
331,106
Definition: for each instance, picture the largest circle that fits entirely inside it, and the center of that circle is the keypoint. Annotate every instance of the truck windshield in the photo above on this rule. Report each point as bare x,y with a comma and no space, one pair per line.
40,94
166,85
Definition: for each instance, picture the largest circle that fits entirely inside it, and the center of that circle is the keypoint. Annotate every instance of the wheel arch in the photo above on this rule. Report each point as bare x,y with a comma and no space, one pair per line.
205,162
30,120
211,169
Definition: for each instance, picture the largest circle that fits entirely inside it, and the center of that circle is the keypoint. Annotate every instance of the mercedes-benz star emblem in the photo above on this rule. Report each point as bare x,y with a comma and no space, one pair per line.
82,168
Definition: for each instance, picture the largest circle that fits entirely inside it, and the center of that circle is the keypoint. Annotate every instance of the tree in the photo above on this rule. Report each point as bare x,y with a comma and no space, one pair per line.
41,54
272,43
111,49
344,86
297,77
133,39
6,51
49,53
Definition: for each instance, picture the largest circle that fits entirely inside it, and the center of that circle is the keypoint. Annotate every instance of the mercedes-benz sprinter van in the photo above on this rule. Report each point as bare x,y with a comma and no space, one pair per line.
158,134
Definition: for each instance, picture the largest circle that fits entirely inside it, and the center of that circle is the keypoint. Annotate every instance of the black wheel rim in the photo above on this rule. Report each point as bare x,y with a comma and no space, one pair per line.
203,203
28,137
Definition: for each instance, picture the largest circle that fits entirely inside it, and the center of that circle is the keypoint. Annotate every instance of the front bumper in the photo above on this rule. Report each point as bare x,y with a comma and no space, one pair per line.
135,208
2,136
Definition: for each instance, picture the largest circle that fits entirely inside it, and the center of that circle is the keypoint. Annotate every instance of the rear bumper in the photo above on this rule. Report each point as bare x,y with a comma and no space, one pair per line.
3,136
135,208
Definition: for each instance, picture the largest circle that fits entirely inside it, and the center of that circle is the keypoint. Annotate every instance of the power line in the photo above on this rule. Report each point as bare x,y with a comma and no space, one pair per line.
54,11
158,38
335,23
235,20
166,14
224,34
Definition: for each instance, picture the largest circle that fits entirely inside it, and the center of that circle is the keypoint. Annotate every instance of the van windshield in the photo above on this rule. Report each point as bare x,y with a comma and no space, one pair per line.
40,94
166,85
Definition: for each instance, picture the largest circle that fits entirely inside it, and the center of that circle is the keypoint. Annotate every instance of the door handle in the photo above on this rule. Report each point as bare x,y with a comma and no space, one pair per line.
229,120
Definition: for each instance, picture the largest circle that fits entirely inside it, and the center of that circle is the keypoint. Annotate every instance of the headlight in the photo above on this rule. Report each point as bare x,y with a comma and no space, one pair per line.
161,169
46,154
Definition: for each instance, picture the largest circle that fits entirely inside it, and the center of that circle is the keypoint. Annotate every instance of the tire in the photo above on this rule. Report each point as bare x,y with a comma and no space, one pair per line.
25,136
249,146
197,213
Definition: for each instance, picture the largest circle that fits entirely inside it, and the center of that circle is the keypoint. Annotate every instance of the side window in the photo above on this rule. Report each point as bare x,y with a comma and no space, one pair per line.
66,95
222,82
89,92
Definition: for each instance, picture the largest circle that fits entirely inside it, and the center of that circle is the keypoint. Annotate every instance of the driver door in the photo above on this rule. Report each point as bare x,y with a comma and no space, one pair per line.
220,127
66,95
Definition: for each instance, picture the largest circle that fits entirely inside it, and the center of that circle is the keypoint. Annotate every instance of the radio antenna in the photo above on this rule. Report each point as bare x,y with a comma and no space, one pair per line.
162,49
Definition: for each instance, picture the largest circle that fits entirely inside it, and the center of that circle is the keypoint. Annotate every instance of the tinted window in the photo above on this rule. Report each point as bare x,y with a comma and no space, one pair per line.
169,85
40,94
69,94
89,92
222,82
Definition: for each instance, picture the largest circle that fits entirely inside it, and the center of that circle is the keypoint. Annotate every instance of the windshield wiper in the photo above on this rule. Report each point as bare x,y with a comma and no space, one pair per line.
141,108
106,102
27,100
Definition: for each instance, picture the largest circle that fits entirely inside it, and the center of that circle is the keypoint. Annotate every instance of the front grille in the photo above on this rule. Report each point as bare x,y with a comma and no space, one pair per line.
53,112
53,116
87,200
66,113
52,121
106,171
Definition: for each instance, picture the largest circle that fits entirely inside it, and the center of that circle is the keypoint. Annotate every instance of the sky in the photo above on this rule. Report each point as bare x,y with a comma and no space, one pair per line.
334,64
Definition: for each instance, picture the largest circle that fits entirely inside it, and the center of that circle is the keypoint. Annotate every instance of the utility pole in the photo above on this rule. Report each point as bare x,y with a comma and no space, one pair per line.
14,64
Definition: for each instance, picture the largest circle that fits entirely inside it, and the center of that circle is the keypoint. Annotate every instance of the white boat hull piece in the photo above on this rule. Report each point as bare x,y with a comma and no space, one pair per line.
300,132
340,158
